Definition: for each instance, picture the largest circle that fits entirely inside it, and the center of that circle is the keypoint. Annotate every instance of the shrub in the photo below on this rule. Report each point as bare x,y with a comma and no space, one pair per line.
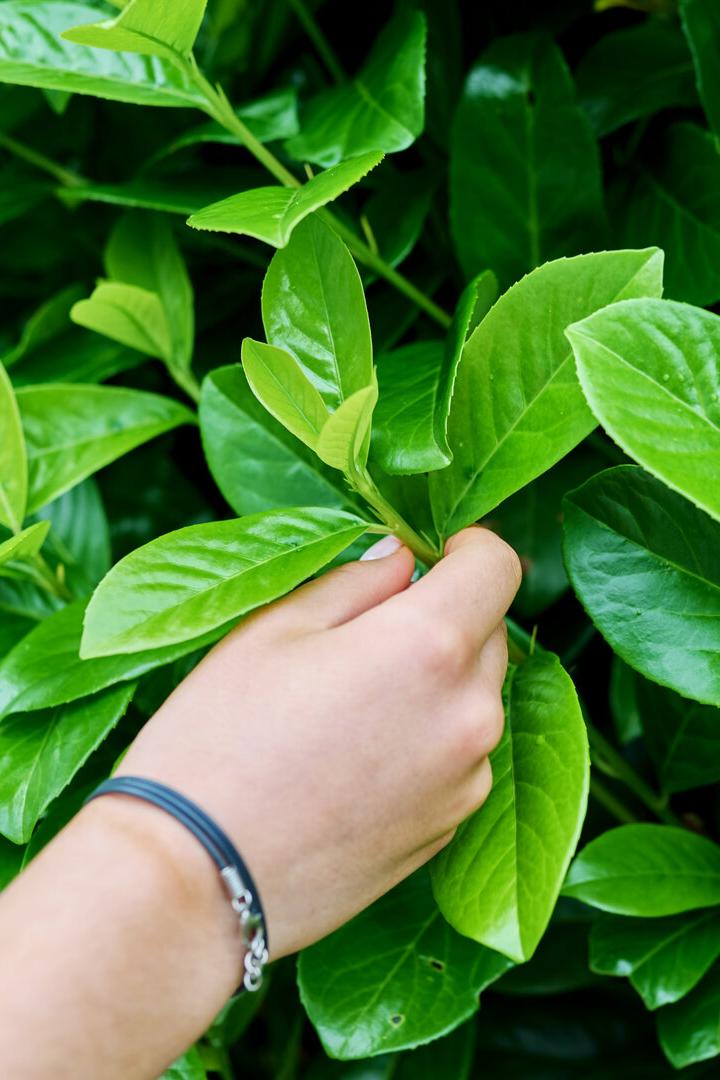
498,345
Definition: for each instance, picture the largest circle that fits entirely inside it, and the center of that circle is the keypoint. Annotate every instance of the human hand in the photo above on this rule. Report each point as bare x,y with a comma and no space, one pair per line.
340,735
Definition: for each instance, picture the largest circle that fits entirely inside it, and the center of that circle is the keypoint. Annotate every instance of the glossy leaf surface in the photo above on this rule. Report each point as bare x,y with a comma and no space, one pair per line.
150,27
689,1030
647,870
198,578
279,382
643,562
41,752
383,108
345,439
271,213
524,178
682,737
394,977
517,405
25,543
701,22
13,458
650,370
499,878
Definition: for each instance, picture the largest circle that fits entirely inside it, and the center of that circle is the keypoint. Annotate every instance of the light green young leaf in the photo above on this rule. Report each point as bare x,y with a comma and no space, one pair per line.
166,28
254,460
394,977
313,306
127,314
682,737
71,431
650,370
197,578
701,23
689,1031
664,958
383,108
25,543
643,562
499,878
41,752
647,870
525,183
44,669
271,213
33,53
13,458
518,406
280,384
344,441
674,202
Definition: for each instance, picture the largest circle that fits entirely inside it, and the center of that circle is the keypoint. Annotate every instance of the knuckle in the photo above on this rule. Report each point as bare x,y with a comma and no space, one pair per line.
443,647
480,728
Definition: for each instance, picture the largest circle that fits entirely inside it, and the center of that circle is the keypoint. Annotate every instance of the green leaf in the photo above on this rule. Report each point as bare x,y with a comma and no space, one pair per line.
32,53
383,108
682,737
72,431
517,406
127,314
623,701
11,856
689,1031
44,325
499,878
643,562
190,581
255,461
450,1056
701,23
271,213
394,977
313,306
278,381
41,752
345,439
25,543
664,958
647,870
646,368
79,537
272,116
13,458
184,192
398,210
165,28
674,202
524,170
634,73
188,1067
44,669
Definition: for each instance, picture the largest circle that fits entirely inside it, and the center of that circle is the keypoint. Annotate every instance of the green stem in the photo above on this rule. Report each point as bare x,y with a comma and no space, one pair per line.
40,161
364,485
50,580
612,804
610,761
185,379
322,46
218,106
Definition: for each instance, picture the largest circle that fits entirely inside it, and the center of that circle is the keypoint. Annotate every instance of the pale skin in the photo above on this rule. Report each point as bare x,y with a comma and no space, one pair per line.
338,736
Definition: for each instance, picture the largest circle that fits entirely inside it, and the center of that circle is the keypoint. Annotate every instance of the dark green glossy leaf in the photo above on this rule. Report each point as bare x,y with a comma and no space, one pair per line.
11,856
643,561
689,1031
394,977
517,406
198,578
313,306
32,53
525,174
673,201
404,436
271,213
683,737
25,543
273,116
664,958
41,752
701,22
649,370
450,1056
13,459
79,537
623,701
255,461
383,108
44,325
166,28
498,879
635,72
560,963
71,431
647,870
397,212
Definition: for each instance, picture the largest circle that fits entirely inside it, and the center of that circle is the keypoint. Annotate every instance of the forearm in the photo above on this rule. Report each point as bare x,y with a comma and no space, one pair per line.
119,946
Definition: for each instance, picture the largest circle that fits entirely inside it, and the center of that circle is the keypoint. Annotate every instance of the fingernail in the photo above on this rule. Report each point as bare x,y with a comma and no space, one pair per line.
386,546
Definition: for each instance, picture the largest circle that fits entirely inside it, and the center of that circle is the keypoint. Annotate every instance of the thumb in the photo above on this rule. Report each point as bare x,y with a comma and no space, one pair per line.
384,570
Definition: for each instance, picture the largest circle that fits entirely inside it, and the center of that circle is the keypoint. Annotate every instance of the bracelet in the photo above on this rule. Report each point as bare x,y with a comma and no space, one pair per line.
238,882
